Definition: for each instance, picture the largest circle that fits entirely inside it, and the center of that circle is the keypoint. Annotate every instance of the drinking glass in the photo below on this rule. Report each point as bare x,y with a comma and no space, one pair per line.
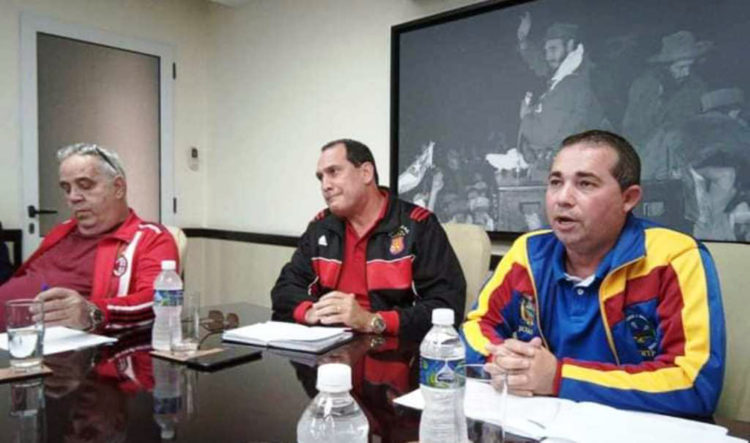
25,326
489,431
185,337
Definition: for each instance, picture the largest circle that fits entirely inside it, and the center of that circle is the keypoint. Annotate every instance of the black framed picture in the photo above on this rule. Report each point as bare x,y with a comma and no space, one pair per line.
482,97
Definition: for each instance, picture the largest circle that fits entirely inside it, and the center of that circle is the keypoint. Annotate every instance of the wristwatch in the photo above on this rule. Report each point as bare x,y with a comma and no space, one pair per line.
96,317
377,325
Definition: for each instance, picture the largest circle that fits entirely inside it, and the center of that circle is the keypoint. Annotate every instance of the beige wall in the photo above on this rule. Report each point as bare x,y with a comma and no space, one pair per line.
228,272
179,23
731,262
288,76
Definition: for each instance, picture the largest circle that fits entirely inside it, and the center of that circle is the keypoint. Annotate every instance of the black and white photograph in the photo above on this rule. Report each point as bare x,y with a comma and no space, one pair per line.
482,101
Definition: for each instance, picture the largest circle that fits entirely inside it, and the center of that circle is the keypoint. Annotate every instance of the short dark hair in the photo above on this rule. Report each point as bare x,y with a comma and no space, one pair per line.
356,152
627,170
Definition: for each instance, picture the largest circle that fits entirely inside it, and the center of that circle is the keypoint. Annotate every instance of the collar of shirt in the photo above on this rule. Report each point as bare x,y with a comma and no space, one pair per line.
558,268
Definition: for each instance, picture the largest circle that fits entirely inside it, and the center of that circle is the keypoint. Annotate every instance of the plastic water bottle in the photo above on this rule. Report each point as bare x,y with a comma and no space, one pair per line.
167,397
442,380
333,416
167,307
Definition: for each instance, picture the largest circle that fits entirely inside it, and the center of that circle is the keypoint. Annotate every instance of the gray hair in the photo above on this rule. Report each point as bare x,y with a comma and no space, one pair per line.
109,161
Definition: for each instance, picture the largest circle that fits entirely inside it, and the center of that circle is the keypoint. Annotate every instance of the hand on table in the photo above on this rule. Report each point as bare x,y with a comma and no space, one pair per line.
338,307
530,367
64,307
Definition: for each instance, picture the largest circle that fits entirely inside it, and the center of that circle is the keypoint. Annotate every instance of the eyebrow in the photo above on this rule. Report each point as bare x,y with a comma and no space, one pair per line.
579,174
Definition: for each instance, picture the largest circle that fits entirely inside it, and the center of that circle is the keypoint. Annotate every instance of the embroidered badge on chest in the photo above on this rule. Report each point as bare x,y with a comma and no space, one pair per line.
644,334
397,245
397,240
527,309
121,266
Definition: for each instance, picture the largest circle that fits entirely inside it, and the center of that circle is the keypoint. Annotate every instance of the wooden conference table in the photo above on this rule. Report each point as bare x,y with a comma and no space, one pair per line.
107,393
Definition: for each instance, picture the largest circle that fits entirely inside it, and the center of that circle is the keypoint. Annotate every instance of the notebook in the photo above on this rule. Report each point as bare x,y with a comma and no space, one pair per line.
294,336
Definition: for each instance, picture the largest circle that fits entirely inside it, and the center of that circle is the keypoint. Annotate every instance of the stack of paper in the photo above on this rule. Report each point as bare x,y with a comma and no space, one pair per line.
554,418
289,336
61,339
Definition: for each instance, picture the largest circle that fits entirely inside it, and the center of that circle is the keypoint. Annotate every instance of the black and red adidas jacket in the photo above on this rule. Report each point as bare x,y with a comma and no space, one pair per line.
411,268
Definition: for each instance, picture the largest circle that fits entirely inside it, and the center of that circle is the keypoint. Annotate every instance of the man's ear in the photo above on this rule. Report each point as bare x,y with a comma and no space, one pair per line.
368,172
631,197
120,186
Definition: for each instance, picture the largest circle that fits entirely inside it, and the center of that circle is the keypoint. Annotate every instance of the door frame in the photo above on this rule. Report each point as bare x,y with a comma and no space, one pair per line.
31,24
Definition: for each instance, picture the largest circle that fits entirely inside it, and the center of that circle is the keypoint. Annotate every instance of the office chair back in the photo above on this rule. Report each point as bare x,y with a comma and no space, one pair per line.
473,249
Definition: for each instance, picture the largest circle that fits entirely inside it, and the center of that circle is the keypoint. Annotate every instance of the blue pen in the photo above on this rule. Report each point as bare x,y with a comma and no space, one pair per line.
45,286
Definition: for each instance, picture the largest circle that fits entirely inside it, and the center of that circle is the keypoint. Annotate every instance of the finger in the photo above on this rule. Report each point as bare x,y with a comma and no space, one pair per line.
536,342
54,306
328,310
332,319
512,363
326,301
519,347
493,348
492,369
55,316
518,380
51,294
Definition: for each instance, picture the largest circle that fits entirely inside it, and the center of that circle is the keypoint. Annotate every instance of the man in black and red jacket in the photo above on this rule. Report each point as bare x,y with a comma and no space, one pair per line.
370,261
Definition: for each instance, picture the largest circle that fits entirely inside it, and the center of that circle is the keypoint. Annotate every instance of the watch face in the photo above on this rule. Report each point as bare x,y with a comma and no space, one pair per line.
96,316
378,325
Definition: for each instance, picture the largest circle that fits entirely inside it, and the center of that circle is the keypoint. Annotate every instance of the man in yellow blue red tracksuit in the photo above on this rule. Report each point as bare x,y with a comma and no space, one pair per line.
604,306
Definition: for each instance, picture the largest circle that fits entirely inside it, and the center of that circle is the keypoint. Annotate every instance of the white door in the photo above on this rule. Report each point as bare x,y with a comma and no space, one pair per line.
84,85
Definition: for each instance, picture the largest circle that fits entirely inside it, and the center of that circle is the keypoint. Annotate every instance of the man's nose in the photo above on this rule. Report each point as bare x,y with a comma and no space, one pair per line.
74,196
325,183
564,195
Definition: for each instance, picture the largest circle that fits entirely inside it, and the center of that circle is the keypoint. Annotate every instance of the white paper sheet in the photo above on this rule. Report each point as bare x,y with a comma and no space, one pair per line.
61,339
556,418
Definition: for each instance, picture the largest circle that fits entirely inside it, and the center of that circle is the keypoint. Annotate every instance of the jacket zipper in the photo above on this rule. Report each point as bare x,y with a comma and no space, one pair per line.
605,320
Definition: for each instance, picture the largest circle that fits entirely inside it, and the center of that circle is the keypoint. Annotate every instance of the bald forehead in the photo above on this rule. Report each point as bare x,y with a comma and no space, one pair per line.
82,166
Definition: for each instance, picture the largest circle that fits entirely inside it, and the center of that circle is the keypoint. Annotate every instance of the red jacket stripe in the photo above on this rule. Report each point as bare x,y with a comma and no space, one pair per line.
394,274
419,213
327,270
673,343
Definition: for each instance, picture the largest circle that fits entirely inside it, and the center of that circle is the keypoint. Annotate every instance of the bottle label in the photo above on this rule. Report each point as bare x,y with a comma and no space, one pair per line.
167,405
442,374
171,297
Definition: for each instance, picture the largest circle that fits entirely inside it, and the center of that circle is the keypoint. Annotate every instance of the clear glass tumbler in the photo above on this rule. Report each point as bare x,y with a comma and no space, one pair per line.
186,340
25,326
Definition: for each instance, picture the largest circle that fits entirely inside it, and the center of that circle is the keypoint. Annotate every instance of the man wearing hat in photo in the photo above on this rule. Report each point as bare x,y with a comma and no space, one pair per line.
568,105
664,97
711,154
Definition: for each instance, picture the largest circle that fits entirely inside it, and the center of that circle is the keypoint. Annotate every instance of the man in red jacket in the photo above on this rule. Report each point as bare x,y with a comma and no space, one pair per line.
96,270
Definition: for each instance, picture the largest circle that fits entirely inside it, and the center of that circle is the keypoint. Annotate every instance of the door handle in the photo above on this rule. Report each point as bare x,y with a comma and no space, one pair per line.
33,211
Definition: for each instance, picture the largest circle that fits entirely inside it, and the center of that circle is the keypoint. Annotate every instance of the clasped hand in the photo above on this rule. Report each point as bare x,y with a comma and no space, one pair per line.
338,307
529,366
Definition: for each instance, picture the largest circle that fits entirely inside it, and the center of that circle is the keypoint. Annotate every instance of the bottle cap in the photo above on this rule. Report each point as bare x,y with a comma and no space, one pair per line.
168,265
442,316
334,377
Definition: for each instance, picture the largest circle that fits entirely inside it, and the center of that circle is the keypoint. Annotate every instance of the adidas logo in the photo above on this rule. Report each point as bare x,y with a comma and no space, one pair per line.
322,241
